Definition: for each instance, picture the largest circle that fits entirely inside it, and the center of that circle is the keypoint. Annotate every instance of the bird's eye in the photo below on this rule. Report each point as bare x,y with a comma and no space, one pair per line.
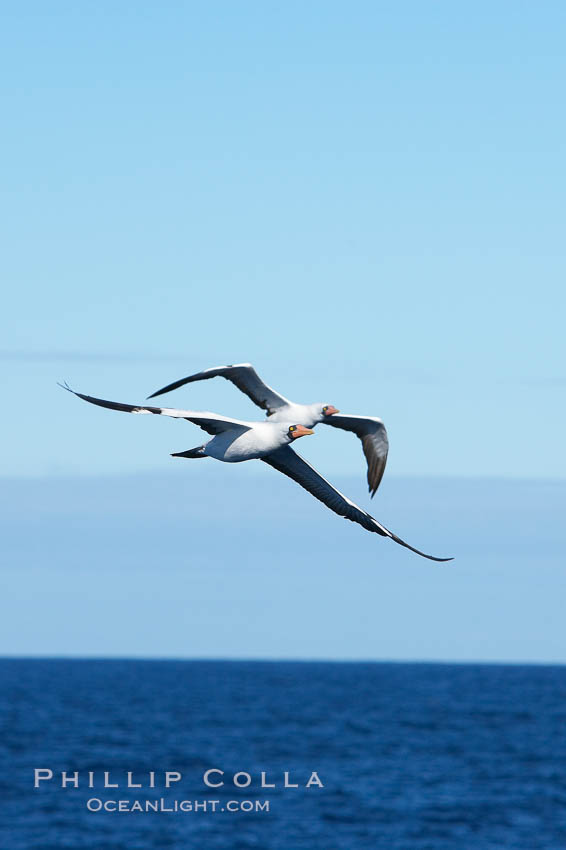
325,408
293,428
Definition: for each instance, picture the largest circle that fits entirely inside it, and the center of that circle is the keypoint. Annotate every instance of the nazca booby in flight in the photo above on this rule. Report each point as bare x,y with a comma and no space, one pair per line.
369,429
235,441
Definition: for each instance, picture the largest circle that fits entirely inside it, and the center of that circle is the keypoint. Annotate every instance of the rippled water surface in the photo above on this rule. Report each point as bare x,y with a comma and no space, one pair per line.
430,757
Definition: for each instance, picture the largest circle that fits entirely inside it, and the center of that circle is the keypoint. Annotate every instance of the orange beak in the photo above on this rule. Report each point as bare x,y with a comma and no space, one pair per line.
301,431
330,410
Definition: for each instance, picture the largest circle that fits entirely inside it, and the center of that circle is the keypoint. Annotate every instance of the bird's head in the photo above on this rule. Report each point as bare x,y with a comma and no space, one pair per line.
329,410
295,431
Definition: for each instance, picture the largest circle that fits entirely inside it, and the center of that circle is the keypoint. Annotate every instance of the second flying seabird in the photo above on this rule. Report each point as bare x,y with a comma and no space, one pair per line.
369,429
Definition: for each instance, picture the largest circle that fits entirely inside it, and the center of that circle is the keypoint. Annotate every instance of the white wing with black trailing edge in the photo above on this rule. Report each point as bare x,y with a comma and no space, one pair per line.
212,423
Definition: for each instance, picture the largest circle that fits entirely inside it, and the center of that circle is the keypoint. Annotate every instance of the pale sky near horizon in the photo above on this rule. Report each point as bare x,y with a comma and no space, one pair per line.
208,562
364,200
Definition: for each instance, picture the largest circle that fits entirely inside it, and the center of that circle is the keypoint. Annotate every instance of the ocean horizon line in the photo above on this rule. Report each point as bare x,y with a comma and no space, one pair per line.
220,659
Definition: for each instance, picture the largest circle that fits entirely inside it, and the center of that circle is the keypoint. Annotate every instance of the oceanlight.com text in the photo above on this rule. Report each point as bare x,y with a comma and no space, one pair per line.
95,804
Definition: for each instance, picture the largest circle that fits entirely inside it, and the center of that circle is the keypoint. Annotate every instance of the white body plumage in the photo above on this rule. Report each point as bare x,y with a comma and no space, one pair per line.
260,439
307,414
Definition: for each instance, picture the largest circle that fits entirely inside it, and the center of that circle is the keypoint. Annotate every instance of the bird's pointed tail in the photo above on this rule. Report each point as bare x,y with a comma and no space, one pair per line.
191,453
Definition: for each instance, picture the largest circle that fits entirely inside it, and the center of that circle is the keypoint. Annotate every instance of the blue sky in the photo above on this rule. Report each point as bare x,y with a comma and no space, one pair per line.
209,562
365,200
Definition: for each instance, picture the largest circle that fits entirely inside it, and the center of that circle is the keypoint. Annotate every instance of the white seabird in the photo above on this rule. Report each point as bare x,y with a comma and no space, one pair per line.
369,429
235,441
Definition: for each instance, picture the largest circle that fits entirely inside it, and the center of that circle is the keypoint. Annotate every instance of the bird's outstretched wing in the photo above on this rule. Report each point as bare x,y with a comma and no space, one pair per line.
212,423
375,444
243,376
288,462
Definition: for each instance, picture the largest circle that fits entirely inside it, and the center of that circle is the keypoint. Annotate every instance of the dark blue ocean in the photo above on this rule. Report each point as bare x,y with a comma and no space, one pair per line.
420,756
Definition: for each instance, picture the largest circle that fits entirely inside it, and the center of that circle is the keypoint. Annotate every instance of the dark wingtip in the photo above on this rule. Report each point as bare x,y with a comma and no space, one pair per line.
418,551
174,386
166,389
431,557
